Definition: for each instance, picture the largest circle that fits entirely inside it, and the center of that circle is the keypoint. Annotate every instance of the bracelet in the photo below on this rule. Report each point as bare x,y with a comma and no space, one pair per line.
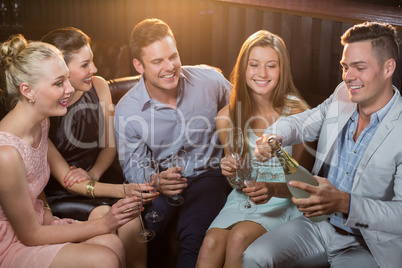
46,206
90,189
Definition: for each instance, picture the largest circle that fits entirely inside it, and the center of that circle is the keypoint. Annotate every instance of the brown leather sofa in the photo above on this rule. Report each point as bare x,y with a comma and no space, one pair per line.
113,59
119,86
79,207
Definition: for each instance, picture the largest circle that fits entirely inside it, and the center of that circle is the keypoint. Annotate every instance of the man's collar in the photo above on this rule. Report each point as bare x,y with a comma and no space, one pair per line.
142,94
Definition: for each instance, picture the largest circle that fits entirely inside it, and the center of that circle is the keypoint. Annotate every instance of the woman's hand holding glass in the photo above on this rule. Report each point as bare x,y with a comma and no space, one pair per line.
261,192
230,168
150,171
122,211
229,165
134,189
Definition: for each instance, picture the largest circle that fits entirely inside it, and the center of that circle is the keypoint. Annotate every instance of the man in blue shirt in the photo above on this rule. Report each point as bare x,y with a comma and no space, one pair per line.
173,107
359,163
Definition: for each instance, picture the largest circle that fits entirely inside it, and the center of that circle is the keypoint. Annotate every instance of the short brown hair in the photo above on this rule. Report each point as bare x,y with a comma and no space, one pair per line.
147,32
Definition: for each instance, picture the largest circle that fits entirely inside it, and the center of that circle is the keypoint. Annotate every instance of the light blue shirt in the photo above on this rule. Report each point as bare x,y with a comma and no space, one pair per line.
348,153
147,128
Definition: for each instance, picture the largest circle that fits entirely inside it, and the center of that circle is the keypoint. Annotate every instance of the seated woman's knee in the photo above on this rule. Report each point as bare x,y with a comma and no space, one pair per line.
111,241
211,243
104,257
239,237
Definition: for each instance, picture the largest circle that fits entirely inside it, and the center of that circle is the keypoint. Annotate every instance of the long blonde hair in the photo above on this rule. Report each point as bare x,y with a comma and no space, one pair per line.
240,104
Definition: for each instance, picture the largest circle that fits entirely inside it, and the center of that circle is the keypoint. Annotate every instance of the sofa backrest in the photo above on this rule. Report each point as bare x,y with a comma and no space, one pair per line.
119,86
113,59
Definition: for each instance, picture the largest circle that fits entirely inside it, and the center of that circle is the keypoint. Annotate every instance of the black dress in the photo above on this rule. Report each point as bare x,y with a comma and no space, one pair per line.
77,137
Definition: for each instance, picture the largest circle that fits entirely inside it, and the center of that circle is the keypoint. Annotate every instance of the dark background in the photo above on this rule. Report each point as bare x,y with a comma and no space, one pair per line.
207,32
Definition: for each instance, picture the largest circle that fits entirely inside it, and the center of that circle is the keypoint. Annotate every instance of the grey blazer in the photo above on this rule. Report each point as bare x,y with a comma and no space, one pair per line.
376,196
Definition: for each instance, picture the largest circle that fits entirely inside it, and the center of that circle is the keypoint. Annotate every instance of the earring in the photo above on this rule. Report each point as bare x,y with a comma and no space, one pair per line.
31,100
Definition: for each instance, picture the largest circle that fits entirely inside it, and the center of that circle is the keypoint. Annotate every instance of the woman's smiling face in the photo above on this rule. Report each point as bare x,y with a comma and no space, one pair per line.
82,68
53,89
262,73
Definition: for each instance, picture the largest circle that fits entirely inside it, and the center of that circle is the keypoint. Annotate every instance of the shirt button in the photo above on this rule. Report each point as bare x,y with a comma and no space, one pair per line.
347,173
355,151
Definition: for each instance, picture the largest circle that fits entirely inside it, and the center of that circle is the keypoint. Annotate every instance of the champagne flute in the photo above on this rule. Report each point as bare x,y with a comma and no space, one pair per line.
178,160
150,169
129,190
250,170
235,142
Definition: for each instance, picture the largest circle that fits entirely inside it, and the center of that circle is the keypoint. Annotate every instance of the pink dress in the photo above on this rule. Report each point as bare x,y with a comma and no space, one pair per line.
12,252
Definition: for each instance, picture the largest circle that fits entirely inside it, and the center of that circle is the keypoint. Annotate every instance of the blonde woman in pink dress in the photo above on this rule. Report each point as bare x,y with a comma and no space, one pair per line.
30,236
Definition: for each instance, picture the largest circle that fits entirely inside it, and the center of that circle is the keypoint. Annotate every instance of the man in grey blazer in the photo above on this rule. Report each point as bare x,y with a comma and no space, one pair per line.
358,163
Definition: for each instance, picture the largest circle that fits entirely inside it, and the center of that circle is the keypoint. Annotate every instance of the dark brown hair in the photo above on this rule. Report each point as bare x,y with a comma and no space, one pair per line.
68,40
384,38
147,32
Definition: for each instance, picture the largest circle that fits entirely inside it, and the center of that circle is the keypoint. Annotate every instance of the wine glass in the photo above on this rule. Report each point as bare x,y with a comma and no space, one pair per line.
235,142
178,160
150,170
250,170
129,190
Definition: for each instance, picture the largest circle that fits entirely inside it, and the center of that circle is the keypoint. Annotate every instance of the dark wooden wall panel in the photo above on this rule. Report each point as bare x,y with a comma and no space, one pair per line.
220,37
303,72
207,32
236,38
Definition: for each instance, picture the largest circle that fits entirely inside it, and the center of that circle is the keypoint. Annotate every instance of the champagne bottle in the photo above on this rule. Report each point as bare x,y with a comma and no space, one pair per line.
294,172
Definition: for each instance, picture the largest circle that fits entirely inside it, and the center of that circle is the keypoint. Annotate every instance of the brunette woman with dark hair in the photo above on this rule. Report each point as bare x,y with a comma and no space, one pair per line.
84,142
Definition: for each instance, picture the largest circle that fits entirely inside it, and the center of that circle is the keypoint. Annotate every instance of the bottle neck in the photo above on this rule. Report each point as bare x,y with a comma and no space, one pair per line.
289,164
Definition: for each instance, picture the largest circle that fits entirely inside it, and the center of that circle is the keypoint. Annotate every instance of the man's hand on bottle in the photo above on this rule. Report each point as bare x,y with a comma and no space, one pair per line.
263,151
324,199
